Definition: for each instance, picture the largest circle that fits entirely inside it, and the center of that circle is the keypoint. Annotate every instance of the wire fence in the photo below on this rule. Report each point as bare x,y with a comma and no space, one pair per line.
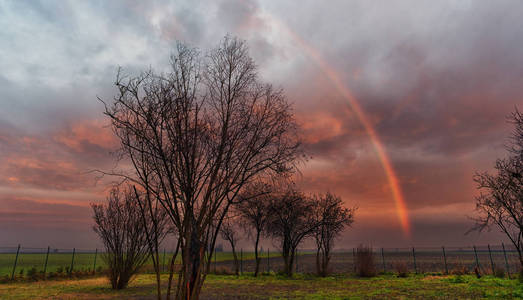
488,259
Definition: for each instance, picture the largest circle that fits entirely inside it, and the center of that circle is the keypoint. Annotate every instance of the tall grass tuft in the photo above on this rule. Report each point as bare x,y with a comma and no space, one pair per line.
365,266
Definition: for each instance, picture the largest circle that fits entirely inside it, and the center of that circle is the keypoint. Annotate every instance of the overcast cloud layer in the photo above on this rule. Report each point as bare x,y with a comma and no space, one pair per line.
436,79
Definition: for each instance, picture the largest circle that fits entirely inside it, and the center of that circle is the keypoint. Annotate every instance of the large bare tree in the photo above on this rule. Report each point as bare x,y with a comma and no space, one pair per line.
205,129
253,209
290,221
332,217
501,200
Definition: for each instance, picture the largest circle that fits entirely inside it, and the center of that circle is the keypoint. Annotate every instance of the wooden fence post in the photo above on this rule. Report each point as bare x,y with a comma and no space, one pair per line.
491,261
354,259
94,265
383,261
445,260
16,260
476,256
414,258
72,262
268,261
506,260
46,259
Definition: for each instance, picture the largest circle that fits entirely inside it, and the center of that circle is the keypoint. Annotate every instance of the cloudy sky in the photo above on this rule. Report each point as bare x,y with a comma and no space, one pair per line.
434,79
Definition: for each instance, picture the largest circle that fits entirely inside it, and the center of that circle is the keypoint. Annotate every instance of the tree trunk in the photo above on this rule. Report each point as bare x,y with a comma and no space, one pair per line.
236,263
171,271
193,252
318,267
288,259
257,266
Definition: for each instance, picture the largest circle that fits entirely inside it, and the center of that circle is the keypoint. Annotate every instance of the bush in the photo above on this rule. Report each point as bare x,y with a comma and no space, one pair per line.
32,274
224,271
60,270
499,272
365,262
460,269
401,269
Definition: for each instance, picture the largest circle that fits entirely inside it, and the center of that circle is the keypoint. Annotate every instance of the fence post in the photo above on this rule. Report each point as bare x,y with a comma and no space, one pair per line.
383,261
268,261
72,262
491,261
476,256
445,261
241,261
46,259
506,260
94,265
414,257
16,260
354,259
163,261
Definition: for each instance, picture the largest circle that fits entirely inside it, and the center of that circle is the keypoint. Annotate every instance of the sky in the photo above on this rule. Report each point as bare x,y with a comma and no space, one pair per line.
433,81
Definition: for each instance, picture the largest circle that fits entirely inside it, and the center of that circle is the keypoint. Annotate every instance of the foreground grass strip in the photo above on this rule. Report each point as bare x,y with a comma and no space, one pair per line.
278,287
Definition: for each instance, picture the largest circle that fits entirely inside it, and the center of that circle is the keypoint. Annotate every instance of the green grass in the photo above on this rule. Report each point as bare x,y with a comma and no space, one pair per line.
83,261
278,287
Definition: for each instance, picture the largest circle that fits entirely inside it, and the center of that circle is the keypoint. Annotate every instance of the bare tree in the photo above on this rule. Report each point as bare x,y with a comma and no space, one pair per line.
290,221
123,232
154,214
229,232
205,129
253,210
501,200
332,217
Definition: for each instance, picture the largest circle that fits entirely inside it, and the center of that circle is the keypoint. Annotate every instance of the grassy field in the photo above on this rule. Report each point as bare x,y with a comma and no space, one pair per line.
82,261
277,287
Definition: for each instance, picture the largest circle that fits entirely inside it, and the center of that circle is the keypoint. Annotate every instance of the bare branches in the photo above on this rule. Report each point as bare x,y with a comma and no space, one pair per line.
500,203
333,217
124,232
195,136
290,222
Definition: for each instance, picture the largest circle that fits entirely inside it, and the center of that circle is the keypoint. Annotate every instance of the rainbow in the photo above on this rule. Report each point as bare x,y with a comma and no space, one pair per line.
335,78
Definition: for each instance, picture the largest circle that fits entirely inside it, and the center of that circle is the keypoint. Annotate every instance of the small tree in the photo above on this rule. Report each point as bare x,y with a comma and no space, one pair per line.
253,210
501,200
332,218
290,221
121,228
229,232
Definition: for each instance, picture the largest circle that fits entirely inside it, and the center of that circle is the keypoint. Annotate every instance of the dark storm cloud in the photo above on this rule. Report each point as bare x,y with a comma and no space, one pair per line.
436,79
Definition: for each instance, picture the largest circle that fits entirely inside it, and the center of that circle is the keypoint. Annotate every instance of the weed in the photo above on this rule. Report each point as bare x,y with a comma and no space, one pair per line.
365,266
499,272
401,269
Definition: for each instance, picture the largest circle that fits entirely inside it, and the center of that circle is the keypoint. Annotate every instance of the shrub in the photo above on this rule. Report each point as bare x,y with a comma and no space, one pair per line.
401,269
365,262
60,270
460,269
499,272
457,279
32,273
224,271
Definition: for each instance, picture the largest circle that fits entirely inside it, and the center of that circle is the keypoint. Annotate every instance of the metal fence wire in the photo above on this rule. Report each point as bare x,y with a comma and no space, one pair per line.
488,259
